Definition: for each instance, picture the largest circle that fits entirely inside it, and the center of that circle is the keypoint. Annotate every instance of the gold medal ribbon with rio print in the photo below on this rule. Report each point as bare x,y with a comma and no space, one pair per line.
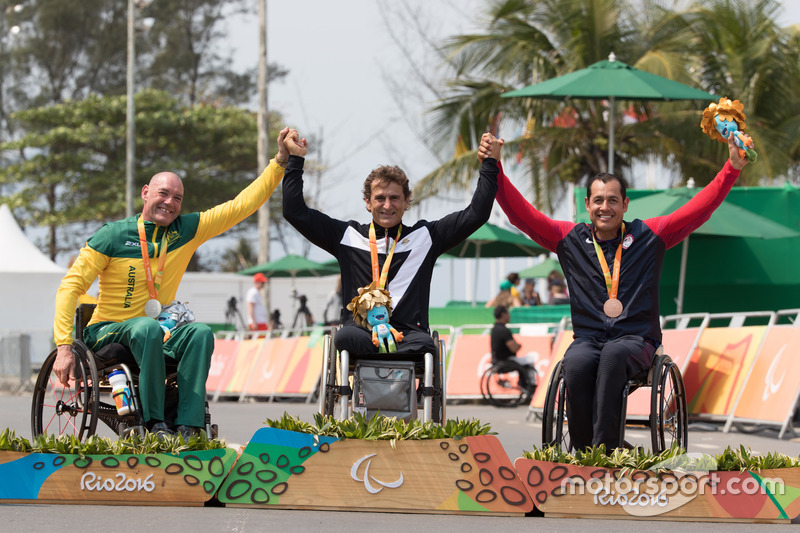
379,276
612,307
153,284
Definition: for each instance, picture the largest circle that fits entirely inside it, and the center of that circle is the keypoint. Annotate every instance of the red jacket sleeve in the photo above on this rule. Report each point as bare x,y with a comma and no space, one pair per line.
676,226
545,231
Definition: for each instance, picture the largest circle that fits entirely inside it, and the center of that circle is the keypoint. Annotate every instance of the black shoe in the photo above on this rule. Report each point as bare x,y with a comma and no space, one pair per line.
161,429
187,431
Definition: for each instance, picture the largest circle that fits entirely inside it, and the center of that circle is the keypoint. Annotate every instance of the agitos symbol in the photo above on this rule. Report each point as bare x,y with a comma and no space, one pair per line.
366,479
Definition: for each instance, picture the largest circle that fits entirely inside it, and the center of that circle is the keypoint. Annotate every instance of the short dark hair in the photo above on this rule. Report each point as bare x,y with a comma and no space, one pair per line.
389,174
499,311
605,177
513,276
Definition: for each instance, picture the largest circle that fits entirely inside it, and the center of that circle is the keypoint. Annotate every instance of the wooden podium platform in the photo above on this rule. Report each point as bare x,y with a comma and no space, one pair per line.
188,478
290,470
560,490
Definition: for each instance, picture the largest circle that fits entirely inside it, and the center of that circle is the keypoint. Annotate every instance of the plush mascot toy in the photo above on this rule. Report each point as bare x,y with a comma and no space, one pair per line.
726,117
372,309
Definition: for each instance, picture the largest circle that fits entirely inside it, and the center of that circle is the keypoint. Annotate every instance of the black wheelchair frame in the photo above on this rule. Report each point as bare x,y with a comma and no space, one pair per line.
75,409
337,369
668,420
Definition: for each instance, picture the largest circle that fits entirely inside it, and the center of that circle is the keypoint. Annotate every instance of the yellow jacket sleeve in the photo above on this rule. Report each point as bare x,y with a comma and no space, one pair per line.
224,216
77,281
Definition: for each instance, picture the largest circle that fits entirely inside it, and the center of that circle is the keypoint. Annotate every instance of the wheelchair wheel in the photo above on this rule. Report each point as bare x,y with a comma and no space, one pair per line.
668,412
70,410
506,384
555,431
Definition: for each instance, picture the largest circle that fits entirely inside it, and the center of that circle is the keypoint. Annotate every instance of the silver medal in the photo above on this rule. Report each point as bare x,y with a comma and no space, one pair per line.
152,308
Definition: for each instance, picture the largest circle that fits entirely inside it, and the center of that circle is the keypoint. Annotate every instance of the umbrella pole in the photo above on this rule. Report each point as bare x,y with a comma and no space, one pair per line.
682,276
611,106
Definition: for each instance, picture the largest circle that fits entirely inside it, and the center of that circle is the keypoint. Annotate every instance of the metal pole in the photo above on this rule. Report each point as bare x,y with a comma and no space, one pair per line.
611,105
263,141
130,136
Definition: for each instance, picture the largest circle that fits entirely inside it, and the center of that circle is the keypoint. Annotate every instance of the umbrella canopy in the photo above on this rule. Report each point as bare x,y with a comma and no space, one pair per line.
292,266
728,220
493,241
611,79
542,270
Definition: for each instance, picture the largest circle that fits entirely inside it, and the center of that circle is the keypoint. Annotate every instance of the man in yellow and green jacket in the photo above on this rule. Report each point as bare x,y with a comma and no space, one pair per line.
115,255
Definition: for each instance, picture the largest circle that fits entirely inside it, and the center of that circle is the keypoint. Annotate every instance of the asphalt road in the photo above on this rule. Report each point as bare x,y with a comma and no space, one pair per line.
238,422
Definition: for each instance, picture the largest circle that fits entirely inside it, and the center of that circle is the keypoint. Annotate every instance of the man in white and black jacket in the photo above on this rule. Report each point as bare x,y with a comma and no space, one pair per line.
387,196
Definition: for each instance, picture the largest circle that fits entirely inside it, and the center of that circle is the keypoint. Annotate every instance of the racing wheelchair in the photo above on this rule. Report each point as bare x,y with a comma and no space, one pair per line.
338,367
507,383
75,409
668,420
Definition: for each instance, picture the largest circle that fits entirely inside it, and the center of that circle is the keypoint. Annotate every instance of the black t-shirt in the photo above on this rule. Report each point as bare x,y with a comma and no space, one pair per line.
500,335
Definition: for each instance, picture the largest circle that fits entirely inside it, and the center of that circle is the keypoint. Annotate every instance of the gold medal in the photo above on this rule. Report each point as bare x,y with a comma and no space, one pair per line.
612,308
152,308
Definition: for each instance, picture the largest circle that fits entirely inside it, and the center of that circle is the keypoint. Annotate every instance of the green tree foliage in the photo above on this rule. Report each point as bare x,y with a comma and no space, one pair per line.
76,152
732,48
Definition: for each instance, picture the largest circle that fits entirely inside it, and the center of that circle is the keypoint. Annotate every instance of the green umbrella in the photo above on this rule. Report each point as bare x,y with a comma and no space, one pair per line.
611,79
728,220
292,266
493,241
542,270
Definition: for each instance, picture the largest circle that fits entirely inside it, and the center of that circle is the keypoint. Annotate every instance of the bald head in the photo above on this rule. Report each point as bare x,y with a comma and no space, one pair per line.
162,198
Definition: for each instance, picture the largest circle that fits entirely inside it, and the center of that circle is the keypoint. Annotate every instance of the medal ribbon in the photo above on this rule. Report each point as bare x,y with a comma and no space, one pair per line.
153,285
612,282
373,252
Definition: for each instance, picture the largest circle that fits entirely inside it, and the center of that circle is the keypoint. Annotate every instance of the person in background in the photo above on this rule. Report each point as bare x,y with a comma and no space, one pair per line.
256,312
558,293
529,295
514,279
505,297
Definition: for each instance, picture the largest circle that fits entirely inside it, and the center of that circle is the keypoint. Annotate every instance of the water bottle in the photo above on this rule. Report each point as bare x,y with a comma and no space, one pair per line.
120,391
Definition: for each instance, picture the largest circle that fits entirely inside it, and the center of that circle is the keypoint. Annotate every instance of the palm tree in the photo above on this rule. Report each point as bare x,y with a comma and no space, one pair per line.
742,53
533,40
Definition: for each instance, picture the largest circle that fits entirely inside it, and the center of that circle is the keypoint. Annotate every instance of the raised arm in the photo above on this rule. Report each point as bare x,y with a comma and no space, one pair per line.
545,231
224,216
456,227
317,227
676,226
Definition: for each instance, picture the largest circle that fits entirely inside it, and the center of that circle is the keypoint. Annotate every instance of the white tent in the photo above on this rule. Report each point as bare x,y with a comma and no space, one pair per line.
28,283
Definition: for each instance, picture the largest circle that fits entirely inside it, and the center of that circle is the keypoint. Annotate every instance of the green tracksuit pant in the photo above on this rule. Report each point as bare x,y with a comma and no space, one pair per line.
191,345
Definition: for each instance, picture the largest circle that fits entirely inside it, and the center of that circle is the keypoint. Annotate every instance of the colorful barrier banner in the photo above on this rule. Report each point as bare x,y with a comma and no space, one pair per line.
545,367
718,367
771,389
303,366
678,345
469,359
223,362
472,357
249,352
269,369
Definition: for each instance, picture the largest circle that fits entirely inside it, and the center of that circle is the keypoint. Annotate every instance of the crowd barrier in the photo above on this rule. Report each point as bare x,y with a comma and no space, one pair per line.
738,368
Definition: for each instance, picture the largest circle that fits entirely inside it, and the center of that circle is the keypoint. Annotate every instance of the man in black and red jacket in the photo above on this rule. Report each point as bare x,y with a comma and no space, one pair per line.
612,269
387,196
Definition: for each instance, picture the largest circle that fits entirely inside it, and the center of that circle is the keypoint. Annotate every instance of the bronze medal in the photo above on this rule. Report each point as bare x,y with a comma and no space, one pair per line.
612,308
